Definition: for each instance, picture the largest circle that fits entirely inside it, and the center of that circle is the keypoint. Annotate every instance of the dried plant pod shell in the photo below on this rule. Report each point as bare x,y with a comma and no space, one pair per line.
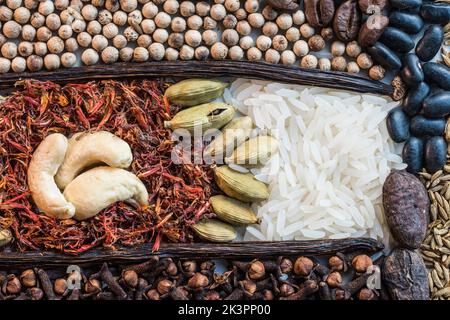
233,211
214,231
254,152
192,92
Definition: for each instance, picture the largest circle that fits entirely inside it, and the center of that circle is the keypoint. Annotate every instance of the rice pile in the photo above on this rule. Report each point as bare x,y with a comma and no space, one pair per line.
334,154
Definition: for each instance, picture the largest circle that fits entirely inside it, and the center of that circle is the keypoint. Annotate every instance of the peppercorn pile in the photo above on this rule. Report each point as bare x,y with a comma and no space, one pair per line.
285,279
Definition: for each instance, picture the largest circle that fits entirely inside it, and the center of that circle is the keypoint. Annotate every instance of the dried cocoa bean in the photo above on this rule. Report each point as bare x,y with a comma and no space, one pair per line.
347,21
372,30
319,13
371,6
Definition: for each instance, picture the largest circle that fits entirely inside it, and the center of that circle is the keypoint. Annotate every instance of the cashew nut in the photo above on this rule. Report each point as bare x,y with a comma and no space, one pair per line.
87,149
43,166
96,189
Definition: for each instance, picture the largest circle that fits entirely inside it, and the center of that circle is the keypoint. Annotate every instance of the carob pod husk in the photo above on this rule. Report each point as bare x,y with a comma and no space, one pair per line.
435,12
406,21
397,123
406,4
437,105
435,154
412,104
430,43
424,127
347,21
397,40
412,154
371,6
406,208
384,56
437,73
319,13
411,73
372,29
405,275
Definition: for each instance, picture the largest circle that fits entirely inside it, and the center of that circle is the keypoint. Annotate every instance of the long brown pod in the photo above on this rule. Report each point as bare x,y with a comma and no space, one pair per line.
243,69
238,250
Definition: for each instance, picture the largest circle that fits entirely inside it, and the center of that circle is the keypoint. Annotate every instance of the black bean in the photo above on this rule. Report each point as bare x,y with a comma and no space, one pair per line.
397,40
437,105
435,154
413,154
408,22
405,4
397,123
437,73
430,43
412,104
424,127
412,73
384,56
435,12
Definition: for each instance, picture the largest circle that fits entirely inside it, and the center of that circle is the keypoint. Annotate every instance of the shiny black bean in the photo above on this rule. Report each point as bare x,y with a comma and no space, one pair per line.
430,43
437,73
405,4
408,22
435,12
435,154
412,104
397,123
397,40
412,73
384,56
437,105
413,154
424,127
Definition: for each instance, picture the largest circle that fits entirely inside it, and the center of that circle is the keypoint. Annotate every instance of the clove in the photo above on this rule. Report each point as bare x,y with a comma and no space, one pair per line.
111,282
324,291
140,290
237,294
46,284
308,288
144,266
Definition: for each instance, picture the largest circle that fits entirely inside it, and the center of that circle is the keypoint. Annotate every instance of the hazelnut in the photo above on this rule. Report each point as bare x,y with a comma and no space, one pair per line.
186,52
246,42
230,37
195,22
5,65
334,279
272,56
202,8
288,57
140,54
236,53
284,21
316,43
256,20
270,29
269,13
338,63
89,57
201,53
18,64
34,63
309,61
219,51
306,31
337,48
254,54
68,59
293,34
243,28
263,43
148,26
172,54
279,43
301,48
361,262
364,61
187,9
352,67
303,265
156,51
126,54
230,21
149,10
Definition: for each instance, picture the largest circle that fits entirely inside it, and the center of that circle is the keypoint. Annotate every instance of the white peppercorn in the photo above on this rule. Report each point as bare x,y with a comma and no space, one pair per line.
284,21
243,28
306,31
178,24
53,22
71,45
78,25
89,12
156,51
176,40
279,43
338,63
68,59
28,32
55,45
43,34
148,26
219,1
65,16
126,54
40,48
61,4
160,35
128,5
324,64
246,42
187,9
229,22
352,67
186,52
25,48
254,54
171,54
120,18
22,15
162,20
353,49
232,5
32,4
149,10
288,57
316,43
9,50
263,42
112,5
94,27
210,37
209,23
298,17
13,4
364,61
309,61
337,48
202,8
201,53
110,30
134,18
376,73
293,34
144,40
2,40
99,42
171,6
46,7
143,1
104,17
52,62
6,14
251,6
270,29
241,14
256,20
327,33
219,51
76,5
195,22
34,63
89,57
230,37
84,39
218,12
98,3
301,48
272,56
5,65
193,38
18,64
11,29
37,20
110,55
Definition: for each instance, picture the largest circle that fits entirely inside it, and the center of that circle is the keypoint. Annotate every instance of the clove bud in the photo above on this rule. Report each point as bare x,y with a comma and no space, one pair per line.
172,269
256,270
366,294
153,294
248,286
303,266
92,286
268,295
189,267
212,295
334,279
60,286
164,286
28,278
13,285
131,278
198,280
286,290
361,262
286,265
335,263
36,293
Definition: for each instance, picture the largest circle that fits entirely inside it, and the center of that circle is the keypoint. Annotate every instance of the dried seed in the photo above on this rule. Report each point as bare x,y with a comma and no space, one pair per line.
446,273
438,269
436,279
444,250
436,175
431,254
438,198
437,188
438,240
426,175
445,292
434,212
446,242
430,281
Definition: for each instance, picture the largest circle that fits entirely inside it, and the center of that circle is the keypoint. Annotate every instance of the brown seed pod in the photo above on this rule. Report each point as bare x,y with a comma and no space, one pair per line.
319,13
347,20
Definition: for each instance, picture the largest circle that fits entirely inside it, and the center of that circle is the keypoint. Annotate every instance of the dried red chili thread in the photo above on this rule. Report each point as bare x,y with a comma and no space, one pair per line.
134,111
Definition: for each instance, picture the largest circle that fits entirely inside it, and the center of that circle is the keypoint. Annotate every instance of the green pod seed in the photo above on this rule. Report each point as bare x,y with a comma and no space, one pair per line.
192,92
5,237
214,230
233,211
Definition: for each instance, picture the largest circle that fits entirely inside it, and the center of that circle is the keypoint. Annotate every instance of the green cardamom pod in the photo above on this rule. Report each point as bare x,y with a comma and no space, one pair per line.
254,152
233,211
214,230
5,237
192,92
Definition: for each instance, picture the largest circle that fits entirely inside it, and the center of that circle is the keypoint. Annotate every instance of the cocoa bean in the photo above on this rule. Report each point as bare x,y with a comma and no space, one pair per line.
319,13
371,6
347,21
372,30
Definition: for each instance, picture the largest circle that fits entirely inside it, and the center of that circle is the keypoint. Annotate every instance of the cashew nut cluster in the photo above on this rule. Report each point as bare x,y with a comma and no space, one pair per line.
77,166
